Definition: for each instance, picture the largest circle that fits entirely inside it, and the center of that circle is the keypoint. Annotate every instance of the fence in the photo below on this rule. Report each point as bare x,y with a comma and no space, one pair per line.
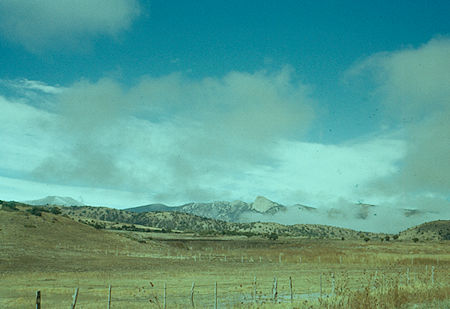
226,294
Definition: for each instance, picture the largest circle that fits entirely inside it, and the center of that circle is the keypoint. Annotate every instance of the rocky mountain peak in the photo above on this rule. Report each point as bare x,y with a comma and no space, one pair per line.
263,204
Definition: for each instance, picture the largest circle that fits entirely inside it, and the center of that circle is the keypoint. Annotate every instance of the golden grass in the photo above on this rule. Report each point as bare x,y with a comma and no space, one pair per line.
366,275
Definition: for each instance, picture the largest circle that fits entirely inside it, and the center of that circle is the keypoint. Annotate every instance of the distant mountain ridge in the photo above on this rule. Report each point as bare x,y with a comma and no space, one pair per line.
219,210
55,200
110,218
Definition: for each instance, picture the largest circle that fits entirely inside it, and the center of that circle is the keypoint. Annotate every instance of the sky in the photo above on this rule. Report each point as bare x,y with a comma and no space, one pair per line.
323,103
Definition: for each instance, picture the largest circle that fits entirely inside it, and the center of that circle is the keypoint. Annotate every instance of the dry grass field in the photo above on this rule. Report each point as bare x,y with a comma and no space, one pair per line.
56,255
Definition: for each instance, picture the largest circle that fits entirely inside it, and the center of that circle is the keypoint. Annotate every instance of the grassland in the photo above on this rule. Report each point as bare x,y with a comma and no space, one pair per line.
55,254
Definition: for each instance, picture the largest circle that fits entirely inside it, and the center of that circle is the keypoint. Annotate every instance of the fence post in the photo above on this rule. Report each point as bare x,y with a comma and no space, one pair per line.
75,297
164,296
275,288
332,284
254,290
215,296
320,285
192,295
38,299
375,285
290,289
432,275
109,297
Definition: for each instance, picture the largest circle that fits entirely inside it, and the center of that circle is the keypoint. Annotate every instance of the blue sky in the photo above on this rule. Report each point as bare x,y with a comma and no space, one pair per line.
123,102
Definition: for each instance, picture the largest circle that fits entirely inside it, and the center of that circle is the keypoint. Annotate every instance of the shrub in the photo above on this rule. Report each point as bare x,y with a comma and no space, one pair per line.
9,207
55,210
36,211
415,239
395,237
272,236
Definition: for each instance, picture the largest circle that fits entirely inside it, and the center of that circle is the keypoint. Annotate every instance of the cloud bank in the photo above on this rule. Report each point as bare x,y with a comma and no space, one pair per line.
413,86
175,139
46,24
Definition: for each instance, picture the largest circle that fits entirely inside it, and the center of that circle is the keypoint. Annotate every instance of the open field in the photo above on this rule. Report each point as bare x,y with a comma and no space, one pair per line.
55,255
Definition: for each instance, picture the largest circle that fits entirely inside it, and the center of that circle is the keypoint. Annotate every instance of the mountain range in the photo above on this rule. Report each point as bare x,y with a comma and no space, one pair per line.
221,210
178,222
359,216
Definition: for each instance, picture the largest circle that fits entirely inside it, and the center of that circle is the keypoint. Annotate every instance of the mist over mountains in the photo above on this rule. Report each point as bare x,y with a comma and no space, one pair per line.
359,216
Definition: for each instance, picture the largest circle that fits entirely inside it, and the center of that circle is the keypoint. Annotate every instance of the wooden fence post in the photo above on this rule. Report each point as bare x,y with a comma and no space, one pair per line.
290,289
192,295
165,295
215,296
275,290
332,284
109,297
38,299
254,290
320,285
75,298
432,275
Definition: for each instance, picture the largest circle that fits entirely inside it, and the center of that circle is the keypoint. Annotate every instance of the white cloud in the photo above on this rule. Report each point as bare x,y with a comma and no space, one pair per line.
413,85
45,24
175,139
22,85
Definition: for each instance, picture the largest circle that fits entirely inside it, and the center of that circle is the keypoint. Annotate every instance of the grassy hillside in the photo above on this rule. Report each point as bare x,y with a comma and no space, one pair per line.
28,234
192,223
435,230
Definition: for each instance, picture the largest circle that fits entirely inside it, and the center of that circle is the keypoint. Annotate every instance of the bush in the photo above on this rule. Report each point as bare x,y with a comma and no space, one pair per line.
415,239
36,211
9,207
55,210
395,237
366,239
272,236
387,238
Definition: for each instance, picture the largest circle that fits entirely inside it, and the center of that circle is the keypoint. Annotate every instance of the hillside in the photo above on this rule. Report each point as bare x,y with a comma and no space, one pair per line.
103,218
30,236
193,223
434,230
